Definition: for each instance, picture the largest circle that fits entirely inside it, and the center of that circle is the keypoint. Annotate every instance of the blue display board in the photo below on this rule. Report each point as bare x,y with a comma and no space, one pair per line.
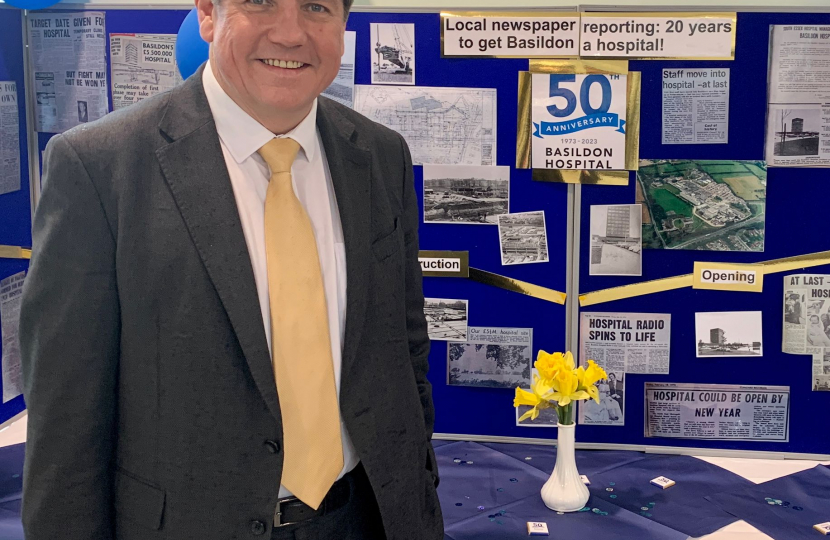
484,411
795,206
489,411
15,207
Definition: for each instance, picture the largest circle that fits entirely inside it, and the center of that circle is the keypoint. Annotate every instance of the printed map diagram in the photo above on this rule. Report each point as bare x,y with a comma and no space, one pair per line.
449,126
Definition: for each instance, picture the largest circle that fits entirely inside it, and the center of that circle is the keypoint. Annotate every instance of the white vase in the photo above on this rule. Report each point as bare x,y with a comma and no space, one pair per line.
564,490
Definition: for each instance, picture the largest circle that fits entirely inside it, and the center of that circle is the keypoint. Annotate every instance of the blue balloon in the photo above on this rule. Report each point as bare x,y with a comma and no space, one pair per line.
191,49
32,4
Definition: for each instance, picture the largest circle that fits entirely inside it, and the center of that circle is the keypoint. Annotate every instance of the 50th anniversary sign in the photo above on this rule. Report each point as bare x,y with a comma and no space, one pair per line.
578,121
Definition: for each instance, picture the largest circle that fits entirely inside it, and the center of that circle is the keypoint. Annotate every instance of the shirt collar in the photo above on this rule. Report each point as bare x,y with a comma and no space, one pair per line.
241,134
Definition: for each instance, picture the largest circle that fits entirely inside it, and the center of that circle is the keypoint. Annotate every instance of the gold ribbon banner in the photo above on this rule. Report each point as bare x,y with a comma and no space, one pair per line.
515,285
15,252
678,282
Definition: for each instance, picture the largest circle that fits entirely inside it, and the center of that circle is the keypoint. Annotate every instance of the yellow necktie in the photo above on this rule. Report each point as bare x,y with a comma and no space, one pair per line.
300,341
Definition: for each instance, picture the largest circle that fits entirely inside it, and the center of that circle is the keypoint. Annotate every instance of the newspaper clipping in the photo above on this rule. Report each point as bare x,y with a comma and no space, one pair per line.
143,65
626,342
491,358
621,343
798,113
717,412
807,323
11,294
68,55
9,138
696,106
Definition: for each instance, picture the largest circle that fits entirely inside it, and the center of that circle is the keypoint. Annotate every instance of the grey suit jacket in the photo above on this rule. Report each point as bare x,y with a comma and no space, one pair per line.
153,411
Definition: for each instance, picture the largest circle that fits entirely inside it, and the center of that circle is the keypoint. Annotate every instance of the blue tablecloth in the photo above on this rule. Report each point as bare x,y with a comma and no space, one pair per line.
682,507
491,490
11,490
799,501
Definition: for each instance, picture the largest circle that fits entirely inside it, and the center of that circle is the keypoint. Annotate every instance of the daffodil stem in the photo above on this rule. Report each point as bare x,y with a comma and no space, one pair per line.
565,414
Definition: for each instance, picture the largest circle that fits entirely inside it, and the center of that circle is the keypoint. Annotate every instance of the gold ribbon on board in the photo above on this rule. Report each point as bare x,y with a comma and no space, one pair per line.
15,252
515,285
686,280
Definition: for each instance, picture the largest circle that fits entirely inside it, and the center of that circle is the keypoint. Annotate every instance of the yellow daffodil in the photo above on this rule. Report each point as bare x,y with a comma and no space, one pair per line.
548,365
538,398
565,387
589,377
558,384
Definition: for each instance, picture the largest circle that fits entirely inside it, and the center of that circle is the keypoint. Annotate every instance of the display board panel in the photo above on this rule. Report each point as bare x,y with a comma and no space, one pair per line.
795,206
488,411
15,206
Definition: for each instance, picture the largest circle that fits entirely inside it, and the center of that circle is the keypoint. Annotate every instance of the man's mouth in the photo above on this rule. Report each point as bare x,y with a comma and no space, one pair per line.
286,64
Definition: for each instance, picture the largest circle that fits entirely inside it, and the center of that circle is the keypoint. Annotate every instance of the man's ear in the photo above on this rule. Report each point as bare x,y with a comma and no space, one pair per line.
206,10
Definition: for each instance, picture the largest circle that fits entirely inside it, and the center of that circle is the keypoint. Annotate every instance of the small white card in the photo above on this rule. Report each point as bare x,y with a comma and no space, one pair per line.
823,528
537,528
662,482
585,480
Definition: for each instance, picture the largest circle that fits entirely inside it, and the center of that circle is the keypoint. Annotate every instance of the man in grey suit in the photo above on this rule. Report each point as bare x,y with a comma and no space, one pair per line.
153,327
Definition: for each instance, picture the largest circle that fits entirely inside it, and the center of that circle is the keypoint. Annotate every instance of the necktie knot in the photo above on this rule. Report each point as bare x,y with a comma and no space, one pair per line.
279,154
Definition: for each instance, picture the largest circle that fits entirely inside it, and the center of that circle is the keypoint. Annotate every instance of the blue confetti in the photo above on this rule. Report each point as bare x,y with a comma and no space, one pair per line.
500,522
651,504
613,496
645,508
469,463
15,476
609,489
500,489
492,516
585,509
456,460
797,508
648,515
612,483
480,508
596,510
528,458
603,513
514,479
459,504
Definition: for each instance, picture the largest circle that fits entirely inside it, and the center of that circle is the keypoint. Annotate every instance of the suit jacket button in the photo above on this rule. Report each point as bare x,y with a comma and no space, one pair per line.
272,446
258,528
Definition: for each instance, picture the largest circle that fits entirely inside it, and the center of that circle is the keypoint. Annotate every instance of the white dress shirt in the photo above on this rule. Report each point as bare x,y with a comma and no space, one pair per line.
241,136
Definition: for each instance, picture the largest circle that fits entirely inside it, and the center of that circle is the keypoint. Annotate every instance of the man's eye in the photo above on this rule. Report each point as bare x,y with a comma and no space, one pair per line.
257,2
317,8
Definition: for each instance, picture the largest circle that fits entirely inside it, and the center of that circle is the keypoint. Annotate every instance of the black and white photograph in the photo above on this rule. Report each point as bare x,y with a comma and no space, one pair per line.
466,194
728,333
821,383
488,365
491,358
446,319
83,112
523,238
610,411
546,418
616,240
393,53
794,307
796,131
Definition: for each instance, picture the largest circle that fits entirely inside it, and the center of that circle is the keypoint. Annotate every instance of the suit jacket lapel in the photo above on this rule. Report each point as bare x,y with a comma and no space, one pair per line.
350,167
195,170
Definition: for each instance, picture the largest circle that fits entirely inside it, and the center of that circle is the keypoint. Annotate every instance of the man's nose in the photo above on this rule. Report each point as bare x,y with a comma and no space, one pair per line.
288,28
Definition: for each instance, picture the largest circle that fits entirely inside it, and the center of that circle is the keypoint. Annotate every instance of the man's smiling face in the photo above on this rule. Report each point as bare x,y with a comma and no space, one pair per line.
274,57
